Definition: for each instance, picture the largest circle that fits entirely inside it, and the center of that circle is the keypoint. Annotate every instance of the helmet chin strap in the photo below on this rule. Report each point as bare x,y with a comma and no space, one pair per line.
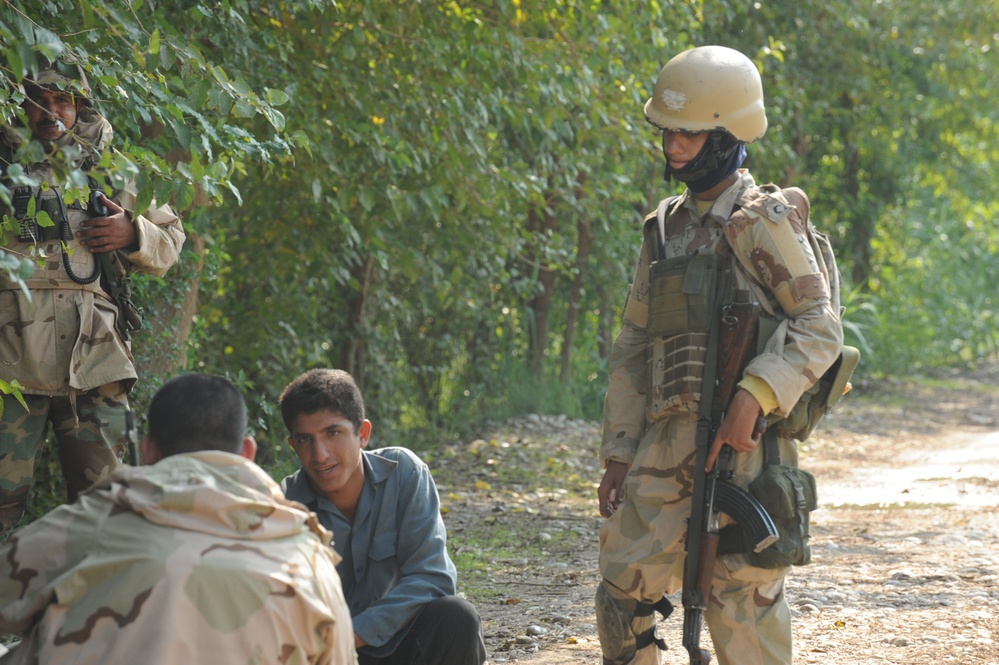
720,157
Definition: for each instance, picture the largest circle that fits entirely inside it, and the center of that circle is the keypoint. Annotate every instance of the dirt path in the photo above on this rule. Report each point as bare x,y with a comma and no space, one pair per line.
905,542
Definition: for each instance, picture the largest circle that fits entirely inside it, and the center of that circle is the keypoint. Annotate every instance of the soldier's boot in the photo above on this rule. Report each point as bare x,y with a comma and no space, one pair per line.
627,627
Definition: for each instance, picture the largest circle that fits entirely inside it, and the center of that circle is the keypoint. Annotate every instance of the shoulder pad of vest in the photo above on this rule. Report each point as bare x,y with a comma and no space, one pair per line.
766,201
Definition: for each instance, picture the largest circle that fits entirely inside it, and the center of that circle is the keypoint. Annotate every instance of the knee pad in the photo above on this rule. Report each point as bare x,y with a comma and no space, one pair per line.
614,616
627,626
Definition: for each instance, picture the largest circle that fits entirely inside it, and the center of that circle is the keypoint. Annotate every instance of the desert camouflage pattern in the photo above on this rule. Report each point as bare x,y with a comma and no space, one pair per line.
63,338
91,442
779,269
642,544
642,554
62,344
196,559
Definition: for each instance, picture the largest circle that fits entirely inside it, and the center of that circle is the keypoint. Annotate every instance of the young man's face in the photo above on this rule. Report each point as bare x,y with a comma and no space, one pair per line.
681,148
51,112
330,452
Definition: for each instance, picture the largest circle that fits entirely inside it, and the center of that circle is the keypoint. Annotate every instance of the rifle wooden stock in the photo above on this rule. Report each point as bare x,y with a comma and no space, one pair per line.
736,347
713,493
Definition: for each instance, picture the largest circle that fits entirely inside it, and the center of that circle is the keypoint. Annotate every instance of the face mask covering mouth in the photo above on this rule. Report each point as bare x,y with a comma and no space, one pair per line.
721,156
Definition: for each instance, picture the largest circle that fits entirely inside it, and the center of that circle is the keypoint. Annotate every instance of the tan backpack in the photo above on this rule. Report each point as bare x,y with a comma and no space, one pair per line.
818,400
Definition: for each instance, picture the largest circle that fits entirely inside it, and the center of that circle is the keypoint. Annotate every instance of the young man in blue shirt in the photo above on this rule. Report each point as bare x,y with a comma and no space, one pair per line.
384,511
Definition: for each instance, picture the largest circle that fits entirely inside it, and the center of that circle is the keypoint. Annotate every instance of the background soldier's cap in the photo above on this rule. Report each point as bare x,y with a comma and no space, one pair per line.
53,78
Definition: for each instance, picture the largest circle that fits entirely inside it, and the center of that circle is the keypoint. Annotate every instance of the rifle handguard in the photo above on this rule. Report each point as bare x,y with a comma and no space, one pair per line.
746,509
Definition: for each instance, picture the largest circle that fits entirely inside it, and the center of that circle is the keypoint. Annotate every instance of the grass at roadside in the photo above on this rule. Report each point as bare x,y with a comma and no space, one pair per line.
513,500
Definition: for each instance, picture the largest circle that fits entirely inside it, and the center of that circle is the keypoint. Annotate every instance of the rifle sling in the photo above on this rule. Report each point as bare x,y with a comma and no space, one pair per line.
771,451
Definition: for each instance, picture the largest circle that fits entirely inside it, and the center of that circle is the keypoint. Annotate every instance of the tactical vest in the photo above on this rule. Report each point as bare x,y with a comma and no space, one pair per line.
65,262
50,243
681,292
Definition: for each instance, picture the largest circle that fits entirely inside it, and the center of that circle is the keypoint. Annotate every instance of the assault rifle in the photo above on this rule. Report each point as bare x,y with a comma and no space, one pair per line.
714,493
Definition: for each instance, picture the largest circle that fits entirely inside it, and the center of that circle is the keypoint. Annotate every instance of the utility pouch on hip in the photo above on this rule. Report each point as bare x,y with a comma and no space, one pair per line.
789,495
818,400
680,293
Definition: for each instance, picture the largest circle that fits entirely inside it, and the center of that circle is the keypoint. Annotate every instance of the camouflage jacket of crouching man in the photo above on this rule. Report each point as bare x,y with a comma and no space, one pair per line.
198,558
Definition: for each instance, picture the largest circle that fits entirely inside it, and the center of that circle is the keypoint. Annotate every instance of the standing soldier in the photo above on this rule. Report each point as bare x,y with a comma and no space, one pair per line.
67,343
708,102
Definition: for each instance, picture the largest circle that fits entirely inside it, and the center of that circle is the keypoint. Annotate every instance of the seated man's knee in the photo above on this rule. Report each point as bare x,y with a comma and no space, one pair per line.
449,630
455,612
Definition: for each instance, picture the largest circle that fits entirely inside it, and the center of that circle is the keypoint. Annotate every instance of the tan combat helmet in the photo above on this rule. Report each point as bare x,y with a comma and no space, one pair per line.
709,88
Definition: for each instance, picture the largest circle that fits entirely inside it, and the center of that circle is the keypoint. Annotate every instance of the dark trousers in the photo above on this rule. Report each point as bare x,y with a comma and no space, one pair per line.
446,632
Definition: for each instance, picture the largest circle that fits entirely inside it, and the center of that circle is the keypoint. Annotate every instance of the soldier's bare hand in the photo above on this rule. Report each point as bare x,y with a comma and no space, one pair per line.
106,234
738,429
612,487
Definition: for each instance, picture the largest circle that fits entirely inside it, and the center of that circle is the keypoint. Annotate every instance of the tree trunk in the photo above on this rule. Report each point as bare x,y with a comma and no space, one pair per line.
584,240
351,356
189,308
860,224
540,223
161,348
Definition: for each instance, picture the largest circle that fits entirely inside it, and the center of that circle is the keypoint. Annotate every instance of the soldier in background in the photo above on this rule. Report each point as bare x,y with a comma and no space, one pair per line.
708,102
67,343
197,558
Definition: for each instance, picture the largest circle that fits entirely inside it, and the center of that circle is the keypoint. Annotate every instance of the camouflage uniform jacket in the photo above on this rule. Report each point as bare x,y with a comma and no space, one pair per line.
776,264
196,559
63,338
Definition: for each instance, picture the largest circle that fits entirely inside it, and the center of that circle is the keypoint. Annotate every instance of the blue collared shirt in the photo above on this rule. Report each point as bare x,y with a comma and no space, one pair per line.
395,558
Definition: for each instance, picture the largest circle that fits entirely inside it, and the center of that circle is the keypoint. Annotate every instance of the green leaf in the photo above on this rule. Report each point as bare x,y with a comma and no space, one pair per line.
43,219
276,97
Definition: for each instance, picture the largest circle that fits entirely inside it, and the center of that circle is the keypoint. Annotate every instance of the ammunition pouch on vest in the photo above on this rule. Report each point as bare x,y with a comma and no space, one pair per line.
680,294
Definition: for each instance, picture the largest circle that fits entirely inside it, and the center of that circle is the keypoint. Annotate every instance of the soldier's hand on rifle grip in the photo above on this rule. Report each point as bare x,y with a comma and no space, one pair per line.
612,487
739,428
106,234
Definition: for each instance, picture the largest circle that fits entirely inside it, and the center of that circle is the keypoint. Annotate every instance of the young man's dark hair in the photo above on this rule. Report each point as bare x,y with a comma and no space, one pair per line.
197,412
330,389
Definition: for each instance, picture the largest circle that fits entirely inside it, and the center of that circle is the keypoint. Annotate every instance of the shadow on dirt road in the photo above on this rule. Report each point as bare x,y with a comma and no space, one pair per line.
905,545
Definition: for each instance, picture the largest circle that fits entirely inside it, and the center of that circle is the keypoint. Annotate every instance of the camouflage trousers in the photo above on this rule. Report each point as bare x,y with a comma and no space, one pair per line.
90,437
642,556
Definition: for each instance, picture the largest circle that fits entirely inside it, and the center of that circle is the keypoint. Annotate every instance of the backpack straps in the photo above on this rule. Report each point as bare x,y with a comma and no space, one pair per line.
655,228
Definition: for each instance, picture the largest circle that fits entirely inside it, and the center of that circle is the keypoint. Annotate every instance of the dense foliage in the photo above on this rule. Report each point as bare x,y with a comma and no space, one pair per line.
445,197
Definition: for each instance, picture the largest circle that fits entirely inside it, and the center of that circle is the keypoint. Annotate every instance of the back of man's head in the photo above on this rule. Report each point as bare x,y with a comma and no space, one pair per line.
195,412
